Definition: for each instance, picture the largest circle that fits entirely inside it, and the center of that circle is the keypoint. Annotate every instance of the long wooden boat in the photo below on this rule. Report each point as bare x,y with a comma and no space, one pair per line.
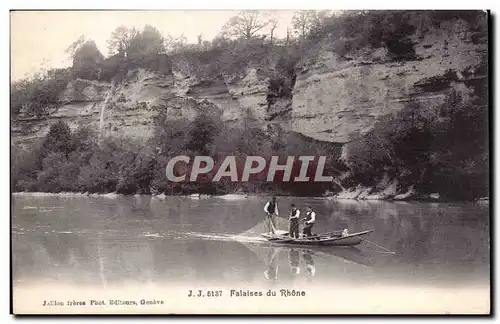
325,239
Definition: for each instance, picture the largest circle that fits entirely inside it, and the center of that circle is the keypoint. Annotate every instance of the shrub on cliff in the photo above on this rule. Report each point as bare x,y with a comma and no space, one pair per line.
234,57
358,30
443,150
35,96
114,67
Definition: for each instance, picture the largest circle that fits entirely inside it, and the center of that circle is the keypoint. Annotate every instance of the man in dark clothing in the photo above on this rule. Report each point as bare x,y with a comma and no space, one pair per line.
309,221
294,222
271,209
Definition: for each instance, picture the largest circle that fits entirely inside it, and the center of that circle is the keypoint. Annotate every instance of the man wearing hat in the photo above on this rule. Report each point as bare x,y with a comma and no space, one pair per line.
309,221
271,209
294,222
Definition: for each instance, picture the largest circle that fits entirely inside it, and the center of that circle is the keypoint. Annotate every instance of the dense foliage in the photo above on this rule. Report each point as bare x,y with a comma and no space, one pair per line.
81,162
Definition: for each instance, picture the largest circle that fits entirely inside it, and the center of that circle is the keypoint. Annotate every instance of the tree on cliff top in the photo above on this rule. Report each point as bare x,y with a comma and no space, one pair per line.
305,20
176,44
246,24
85,56
147,42
119,42
273,24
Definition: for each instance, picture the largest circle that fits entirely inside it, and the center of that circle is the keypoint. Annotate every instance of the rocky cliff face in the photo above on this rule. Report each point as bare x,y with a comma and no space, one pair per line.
333,99
338,100
127,108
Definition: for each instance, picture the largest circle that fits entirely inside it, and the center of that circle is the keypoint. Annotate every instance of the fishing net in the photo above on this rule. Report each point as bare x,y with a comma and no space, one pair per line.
281,224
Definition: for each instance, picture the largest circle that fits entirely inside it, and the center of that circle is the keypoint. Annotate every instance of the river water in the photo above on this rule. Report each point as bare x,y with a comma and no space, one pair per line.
162,250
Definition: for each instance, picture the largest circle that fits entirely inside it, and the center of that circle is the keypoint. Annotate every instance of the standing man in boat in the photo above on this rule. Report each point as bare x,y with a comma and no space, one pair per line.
271,209
294,222
309,221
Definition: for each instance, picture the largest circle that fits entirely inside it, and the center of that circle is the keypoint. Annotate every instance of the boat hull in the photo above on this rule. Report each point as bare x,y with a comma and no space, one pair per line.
348,240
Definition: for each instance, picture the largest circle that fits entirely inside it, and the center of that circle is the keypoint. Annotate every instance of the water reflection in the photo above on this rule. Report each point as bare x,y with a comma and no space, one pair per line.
148,240
304,262
271,272
309,263
294,260
299,262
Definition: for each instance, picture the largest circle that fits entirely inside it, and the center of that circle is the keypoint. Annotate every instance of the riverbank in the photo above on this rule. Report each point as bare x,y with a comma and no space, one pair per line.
371,198
115,195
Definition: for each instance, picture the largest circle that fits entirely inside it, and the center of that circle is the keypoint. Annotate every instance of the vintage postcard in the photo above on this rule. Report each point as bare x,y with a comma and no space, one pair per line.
250,162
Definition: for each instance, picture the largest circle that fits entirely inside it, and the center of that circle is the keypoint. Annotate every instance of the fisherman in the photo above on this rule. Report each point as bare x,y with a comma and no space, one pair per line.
294,222
309,221
271,209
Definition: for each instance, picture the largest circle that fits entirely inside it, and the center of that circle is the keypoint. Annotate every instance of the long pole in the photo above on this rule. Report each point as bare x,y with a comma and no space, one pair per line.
387,250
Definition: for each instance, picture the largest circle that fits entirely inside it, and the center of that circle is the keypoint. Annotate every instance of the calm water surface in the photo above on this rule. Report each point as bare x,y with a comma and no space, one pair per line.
139,241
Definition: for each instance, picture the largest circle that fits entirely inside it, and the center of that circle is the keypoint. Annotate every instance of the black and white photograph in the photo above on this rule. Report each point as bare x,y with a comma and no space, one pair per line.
250,162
